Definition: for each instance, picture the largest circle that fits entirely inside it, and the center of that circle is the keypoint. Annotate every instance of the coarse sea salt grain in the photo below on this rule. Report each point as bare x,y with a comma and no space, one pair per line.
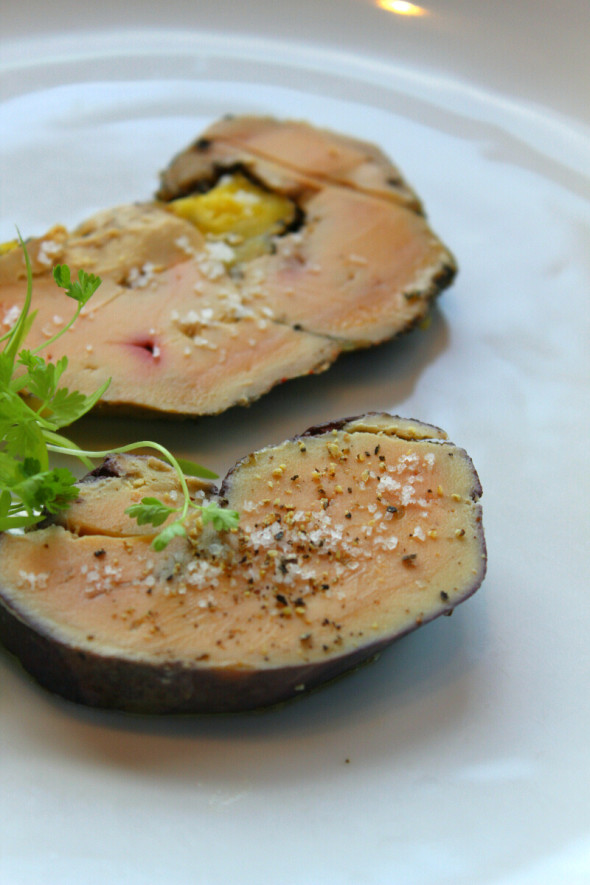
250,506
392,485
407,496
140,277
35,580
246,199
48,249
220,251
11,316
405,461
201,573
186,246
387,543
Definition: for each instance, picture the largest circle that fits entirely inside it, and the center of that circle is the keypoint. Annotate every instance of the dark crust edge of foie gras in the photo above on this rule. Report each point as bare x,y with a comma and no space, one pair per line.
171,687
109,682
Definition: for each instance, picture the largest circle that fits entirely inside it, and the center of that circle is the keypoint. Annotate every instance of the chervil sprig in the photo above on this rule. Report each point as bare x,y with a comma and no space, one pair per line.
34,407
151,511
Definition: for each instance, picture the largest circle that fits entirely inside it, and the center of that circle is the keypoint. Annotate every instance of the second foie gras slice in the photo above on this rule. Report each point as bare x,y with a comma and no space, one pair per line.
350,536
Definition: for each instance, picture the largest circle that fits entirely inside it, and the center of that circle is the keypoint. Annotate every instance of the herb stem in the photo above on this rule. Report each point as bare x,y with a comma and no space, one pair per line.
57,335
58,443
79,453
29,489
16,334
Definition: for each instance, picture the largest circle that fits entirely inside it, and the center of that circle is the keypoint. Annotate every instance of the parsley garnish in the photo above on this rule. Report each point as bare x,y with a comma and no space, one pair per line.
34,408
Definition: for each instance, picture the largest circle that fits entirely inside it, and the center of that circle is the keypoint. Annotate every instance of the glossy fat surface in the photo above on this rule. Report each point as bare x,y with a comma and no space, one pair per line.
345,539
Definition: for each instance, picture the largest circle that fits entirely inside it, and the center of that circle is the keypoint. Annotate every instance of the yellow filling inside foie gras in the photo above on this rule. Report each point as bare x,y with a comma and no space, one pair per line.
239,212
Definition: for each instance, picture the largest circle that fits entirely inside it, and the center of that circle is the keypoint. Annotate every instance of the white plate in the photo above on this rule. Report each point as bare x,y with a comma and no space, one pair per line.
462,756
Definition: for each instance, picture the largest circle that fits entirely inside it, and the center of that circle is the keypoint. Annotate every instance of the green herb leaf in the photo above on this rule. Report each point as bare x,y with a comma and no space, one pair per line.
174,530
6,370
82,289
47,490
33,407
9,470
190,468
19,521
62,276
150,511
67,407
22,437
222,518
42,377
5,503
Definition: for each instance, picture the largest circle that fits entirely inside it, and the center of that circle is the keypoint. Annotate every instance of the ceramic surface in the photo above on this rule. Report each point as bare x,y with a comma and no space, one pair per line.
460,757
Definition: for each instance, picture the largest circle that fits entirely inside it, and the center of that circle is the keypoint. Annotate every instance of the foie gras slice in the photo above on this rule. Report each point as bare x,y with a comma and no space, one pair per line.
272,247
350,536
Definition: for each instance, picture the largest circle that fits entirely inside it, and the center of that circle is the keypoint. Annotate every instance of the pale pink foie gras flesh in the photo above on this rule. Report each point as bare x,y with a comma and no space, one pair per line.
182,329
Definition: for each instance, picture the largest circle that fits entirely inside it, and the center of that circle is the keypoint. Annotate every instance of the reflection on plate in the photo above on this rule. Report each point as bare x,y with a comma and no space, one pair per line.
444,761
